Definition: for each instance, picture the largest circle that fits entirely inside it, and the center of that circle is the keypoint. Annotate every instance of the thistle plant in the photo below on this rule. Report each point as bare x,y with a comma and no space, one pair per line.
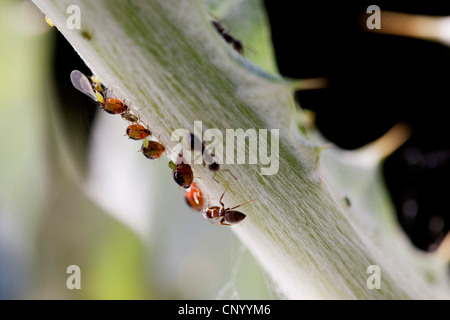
323,225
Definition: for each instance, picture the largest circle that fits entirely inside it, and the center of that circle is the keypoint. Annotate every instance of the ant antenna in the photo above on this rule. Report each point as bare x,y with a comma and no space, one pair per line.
242,204
220,200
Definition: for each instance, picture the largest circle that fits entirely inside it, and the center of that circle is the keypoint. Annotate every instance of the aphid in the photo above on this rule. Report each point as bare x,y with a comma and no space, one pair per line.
127,115
152,149
237,45
86,35
347,201
97,85
82,83
182,174
194,197
49,22
225,216
114,106
137,132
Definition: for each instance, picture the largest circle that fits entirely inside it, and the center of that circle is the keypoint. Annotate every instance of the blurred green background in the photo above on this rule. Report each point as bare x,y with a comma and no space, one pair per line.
74,191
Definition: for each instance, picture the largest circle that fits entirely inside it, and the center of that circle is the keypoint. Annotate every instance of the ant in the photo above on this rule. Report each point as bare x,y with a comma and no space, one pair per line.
237,45
214,166
227,216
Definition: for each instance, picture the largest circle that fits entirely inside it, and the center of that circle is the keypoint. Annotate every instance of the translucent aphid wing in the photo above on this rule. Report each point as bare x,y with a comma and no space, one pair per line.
82,84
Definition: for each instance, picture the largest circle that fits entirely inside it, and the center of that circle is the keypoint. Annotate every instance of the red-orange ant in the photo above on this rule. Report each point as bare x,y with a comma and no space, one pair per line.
227,216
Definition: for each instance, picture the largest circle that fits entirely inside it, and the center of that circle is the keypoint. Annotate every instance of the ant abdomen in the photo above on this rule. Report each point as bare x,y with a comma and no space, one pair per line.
233,217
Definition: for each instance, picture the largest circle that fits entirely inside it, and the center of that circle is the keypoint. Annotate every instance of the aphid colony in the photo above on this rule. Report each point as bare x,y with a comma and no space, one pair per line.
182,172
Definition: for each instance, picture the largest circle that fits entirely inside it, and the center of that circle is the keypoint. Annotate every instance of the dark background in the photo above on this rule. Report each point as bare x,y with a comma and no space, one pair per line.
375,81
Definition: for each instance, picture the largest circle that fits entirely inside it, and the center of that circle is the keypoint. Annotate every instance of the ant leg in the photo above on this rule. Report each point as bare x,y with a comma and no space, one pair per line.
214,177
228,170
220,200
222,223
241,204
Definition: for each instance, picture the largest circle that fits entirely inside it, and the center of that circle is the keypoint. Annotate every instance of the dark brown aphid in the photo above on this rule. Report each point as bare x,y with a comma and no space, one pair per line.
137,132
152,149
182,174
237,45
225,216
